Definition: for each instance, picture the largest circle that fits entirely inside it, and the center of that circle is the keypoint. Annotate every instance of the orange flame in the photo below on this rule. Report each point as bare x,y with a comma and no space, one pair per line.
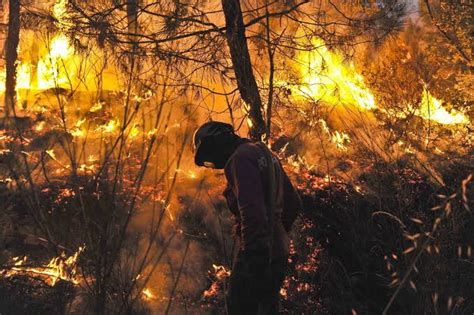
432,108
148,294
328,78
58,268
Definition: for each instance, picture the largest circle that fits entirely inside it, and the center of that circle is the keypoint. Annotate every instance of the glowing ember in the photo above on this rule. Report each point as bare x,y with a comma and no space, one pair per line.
339,138
58,268
51,154
109,127
212,292
2,80
327,77
432,108
77,131
147,294
96,107
134,132
221,272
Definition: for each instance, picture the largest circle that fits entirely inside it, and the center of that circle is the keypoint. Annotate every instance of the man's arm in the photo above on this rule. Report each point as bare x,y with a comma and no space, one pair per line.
292,203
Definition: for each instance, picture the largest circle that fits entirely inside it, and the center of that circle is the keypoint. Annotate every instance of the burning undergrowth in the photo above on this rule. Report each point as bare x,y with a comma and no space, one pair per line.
101,198
393,233
393,242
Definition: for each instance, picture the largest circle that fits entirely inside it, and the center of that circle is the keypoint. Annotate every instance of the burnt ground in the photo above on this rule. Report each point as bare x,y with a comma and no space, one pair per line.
352,248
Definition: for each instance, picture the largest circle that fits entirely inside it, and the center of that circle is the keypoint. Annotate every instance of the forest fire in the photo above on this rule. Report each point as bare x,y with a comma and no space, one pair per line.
432,108
327,77
367,105
54,68
59,268
147,294
218,275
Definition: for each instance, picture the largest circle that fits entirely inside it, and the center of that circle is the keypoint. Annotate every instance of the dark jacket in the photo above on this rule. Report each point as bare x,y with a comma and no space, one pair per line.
248,182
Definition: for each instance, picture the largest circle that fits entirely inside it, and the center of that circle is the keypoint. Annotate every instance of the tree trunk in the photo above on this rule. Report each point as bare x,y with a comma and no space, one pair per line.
239,52
11,55
132,15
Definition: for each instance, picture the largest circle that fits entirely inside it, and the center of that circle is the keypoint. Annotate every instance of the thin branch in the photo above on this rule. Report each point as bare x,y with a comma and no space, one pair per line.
445,34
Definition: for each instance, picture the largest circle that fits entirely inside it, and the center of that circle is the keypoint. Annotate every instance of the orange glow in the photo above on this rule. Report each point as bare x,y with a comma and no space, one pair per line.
339,138
221,272
148,294
325,76
56,68
432,108
58,268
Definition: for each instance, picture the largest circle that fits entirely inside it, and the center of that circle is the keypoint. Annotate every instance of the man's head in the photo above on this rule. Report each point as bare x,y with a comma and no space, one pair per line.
214,143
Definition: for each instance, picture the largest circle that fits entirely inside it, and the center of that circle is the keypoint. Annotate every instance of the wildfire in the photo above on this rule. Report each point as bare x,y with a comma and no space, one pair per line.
134,132
60,13
219,274
188,173
432,108
148,295
55,69
58,268
110,126
54,62
327,77
339,138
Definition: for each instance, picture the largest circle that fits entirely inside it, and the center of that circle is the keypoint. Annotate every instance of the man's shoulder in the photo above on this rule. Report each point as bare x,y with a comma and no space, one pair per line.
248,150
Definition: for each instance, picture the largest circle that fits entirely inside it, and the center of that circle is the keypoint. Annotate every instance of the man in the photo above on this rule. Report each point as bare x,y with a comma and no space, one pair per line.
264,204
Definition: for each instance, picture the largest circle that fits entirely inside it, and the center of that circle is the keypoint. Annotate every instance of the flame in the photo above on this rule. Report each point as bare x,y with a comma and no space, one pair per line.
60,47
55,65
188,173
23,77
432,108
58,268
77,130
339,138
147,294
56,68
59,11
134,132
212,292
221,272
110,126
51,153
327,77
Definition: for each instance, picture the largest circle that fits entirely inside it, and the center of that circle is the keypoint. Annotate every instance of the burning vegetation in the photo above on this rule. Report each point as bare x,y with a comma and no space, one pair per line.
368,104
